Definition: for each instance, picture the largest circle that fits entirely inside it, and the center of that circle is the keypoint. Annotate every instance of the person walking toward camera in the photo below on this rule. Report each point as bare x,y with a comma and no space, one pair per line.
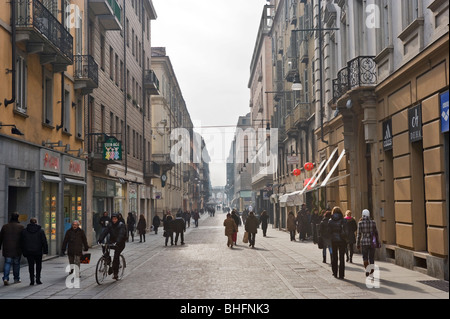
230,229
351,237
251,226
142,227
34,246
291,225
337,229
10,244
74,241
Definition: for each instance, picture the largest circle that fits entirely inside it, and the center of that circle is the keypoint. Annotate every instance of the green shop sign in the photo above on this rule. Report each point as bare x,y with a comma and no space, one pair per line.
112,150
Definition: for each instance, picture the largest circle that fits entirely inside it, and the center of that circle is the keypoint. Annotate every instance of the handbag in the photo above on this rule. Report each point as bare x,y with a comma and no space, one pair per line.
85,259
375,243
245,239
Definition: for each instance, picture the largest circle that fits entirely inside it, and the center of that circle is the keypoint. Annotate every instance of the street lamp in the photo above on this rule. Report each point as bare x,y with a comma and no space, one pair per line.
14,129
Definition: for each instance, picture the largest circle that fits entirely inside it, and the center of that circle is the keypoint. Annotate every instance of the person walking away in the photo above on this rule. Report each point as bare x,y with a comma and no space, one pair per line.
117,232
326,240
179,227
168,229
196,217
291,225
351,237
74,241
10,244
142,227
264,222
231,228
34,245
156,223
237,220
315,221
366,228
337,229
251,226
131,224
302,223
187,218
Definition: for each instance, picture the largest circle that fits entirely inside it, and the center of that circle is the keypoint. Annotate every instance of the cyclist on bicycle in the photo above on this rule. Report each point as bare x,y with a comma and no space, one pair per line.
118,235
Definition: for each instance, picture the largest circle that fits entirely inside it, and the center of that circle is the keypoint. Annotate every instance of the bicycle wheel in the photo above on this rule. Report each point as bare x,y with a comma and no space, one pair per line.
101,270
122,266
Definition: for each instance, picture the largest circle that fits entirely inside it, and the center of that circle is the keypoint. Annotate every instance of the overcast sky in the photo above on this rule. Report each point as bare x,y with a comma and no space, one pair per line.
210,44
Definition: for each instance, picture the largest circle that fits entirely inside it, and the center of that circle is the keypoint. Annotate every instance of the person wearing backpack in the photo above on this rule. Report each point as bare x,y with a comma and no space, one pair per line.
337,230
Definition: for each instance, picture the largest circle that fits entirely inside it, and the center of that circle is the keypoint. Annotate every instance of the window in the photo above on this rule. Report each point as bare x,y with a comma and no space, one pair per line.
128,32
21,83
47,94
111,63
102,52
116,64
410,9
121,75
67,105
132,43
79,119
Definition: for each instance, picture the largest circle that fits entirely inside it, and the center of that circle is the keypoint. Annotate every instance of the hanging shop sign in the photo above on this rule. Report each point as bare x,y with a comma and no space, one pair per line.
112,150
444,112
387,135
415,123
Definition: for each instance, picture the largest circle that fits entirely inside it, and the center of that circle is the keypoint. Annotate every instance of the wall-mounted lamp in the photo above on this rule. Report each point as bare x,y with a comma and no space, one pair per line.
297,85
14,129
52,144
67,150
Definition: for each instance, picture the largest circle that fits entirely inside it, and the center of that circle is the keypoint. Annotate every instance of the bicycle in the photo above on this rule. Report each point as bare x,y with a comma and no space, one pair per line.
104,265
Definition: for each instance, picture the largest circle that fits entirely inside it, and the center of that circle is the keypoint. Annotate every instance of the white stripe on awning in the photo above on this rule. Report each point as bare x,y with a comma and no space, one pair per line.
324,167
313,177
50,178
333,169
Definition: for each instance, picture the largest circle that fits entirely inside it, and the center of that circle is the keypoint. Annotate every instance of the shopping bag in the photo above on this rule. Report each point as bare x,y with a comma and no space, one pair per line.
85,259
245,239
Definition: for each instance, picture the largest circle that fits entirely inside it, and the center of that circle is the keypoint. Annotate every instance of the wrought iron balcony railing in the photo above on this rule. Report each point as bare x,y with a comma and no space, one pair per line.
359,72
43,27
151,169
86,70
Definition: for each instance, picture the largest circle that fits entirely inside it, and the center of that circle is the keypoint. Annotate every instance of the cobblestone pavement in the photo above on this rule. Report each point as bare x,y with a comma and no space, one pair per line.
205,268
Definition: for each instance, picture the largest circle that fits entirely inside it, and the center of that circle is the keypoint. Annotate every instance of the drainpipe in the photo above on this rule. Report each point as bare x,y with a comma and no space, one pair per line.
125,133
62,74
321,70
14,54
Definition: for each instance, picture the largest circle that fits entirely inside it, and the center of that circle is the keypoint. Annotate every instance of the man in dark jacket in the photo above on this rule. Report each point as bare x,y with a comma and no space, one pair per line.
10,245
34,245
251,226
118,235
156,223
74,240
337,228
179,227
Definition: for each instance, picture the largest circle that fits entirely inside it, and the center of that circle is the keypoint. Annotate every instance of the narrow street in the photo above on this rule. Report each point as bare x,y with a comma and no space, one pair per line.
205,268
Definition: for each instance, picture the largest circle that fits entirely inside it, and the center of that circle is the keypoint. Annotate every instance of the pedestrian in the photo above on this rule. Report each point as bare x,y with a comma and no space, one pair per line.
231,228
117,232
264,219
142,227
325,236
237,220
131,224
315,220
10,244
337,229
302,223
187,218
196,217
179,227
156,223
74,241
351,237
104,222
168,229
291,225
251,226
367,228
34,246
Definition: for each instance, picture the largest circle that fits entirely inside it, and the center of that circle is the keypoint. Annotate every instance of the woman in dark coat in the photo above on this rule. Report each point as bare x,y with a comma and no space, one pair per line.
352,227
74,240
141,227
251,226
34,245
325,236
156,222
336,228
168,229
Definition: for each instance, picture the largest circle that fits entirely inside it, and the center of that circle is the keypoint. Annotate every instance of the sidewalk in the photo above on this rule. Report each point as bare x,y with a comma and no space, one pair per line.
293,270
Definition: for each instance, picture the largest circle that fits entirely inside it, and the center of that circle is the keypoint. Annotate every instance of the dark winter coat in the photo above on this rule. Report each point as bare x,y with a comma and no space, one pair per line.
335,226
141,226
352,227
156,221
117,232
34,241
264,220
168,225
178,225
323,229
10,239
251,224
74,241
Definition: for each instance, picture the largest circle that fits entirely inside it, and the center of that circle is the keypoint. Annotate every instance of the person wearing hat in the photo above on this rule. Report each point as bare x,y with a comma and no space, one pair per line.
366,229
118,235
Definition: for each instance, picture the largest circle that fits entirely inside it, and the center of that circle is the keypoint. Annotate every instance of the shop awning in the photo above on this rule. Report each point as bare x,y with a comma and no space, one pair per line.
328,179
323,169
291,199
50,178
74,181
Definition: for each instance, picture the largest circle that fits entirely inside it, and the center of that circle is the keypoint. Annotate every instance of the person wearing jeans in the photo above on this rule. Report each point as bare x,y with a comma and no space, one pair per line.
10,236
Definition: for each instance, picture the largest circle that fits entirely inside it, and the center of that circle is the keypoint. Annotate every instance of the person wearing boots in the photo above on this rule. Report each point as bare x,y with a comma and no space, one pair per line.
34,246
323,230
366,227
337,229
351,238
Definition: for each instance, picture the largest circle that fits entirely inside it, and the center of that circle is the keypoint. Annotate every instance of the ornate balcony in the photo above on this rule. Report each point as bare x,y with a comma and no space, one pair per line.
85,73
359,72
43,34
302,112
152,169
